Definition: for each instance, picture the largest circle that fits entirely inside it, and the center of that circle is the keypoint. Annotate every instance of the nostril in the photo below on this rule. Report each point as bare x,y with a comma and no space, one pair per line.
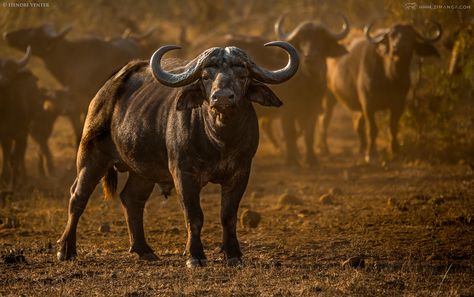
231,96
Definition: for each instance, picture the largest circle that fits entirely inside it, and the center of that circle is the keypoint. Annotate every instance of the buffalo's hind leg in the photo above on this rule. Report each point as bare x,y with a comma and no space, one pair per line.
47,157
133,197
268,130
91,167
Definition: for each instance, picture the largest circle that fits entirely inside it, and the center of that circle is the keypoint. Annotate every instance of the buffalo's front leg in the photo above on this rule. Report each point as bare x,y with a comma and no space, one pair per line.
324,121
289,133
188,189
133,197
309,124
395,115
18,164
6,170
232,192
361,132
371,133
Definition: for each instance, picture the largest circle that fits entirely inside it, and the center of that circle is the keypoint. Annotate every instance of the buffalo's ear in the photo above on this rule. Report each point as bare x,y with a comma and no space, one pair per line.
260,93
190,96
426,49
334,49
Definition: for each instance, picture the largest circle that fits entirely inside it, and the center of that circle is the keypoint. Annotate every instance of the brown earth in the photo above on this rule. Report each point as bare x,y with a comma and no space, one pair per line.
410,226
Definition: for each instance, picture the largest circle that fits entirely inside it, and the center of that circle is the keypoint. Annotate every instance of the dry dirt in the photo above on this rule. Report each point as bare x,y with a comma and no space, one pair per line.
410,226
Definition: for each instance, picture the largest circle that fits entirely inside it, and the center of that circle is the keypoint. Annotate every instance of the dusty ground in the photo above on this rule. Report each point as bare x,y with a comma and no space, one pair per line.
412,224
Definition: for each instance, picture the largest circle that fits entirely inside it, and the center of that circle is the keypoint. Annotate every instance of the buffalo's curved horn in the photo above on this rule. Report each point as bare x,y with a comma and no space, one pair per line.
126,33
281,75
439,32
345,29
50,30
63,32
279,27
143,35
374,40
189,75
25,59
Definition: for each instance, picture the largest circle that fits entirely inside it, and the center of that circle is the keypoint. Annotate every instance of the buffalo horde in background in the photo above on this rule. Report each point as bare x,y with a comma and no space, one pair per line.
198,103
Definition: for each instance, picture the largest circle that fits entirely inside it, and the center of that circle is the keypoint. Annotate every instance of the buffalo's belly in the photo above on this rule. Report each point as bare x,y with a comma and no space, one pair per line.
349,99
142,153
386,96
346,93
301,98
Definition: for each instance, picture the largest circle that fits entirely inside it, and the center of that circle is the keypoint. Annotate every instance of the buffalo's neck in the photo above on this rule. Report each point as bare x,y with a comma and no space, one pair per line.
397,69
316,71
234,130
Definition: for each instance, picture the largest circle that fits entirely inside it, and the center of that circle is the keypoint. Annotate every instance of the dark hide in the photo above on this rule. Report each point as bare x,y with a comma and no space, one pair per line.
81,65
20,103
182,137
303,94
375,77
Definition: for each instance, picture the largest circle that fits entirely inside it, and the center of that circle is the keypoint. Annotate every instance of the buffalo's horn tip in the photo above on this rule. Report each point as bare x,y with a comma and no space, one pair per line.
272,43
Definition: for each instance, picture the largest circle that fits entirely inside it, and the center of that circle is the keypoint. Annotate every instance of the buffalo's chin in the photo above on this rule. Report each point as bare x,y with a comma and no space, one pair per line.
222,117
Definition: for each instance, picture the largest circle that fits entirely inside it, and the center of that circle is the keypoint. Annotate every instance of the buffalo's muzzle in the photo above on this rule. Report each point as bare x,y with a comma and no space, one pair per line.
222,100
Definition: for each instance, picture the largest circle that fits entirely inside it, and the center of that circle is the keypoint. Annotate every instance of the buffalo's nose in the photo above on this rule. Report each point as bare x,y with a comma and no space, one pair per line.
222,100
310,57
229,98
222,96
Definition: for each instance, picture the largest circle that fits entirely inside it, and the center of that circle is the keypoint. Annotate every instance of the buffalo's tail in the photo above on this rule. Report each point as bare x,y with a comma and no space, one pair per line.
109,183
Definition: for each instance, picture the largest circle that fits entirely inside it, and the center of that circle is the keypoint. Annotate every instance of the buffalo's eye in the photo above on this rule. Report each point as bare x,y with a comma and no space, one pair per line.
207,75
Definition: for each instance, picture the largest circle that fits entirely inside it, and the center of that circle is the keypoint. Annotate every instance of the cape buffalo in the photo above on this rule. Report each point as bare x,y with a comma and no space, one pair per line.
138,45
53,105
19,103
181,127
82,65
375,76
305,92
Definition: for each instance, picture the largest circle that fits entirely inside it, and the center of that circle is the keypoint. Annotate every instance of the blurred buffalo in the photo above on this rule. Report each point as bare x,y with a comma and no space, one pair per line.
21,112
304,93
375,76
82,65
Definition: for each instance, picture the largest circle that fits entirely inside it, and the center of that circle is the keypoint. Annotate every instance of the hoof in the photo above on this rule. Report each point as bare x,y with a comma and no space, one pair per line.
370,159
234,262
292,163
194,262
149,257
324,151
62,256
313,162
65,253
